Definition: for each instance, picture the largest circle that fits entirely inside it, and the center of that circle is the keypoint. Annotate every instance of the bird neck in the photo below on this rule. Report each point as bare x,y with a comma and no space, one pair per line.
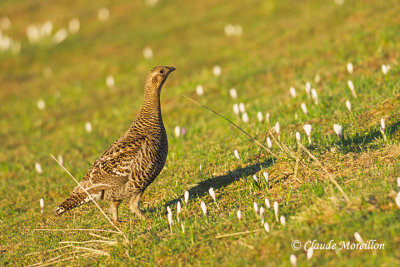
151,104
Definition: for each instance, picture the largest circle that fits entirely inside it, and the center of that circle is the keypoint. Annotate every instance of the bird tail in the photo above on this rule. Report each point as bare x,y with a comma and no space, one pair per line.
75,200
80,195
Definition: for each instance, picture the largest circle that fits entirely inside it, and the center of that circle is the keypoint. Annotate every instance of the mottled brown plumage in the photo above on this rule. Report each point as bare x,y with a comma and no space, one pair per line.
133,161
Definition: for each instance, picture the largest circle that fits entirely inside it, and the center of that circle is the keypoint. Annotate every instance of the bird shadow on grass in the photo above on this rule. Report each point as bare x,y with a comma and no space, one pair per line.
221,181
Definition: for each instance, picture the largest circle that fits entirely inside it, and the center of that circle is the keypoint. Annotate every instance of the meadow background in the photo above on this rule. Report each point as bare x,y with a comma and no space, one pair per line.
73,90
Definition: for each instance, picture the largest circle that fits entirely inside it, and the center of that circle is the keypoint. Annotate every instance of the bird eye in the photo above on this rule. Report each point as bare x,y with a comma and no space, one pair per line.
161,71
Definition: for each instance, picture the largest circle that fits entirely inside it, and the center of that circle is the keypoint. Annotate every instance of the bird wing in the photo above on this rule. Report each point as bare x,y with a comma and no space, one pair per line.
114,167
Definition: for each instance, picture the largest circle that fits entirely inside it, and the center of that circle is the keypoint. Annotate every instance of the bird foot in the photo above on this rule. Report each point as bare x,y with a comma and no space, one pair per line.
139,213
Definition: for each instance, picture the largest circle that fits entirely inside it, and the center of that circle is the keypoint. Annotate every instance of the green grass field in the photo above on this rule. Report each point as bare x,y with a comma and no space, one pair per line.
283,44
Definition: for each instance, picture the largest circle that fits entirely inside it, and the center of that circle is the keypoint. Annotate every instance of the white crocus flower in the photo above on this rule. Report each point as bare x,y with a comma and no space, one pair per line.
277,129
314,95
358,238
236,109
110,82
88,127
177,131
60,36
229,29
242,107
310,253
339,2
233,93
352,89
383,128
338,130
267,203
148,53
74,25
307,129
293,260
236,153
266,227
397,199
32,32
385,69
239,215
255,178
41,104
169,217
212,193
283,220
178,208
255,207
269,142
46,29
308,88
348,105
38,168
203,208
41,205
298,137
216,70
350,67
103,13
60,159
265,174
199,90
304,108
151,2
292,92
267,117
186,197
262,210
245,117
260,116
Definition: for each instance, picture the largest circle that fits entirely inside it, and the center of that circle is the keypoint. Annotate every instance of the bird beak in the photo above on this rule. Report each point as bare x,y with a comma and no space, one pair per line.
171,69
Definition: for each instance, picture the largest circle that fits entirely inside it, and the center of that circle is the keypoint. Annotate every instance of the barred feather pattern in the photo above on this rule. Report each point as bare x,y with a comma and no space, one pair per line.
134,160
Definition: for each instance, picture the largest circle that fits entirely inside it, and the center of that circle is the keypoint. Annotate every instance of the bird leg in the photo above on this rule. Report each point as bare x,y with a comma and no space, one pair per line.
114,210
134,205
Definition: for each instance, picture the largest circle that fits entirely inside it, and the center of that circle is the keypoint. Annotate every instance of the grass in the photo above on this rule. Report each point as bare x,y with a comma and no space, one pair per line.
284,44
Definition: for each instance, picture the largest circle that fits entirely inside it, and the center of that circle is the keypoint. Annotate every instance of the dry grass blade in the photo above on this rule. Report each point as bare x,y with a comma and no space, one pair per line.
239,233
42,264
285,149
245,245
47,251
91,198
113,243
330,176
52,260
231,122
99,236
69,230
92,250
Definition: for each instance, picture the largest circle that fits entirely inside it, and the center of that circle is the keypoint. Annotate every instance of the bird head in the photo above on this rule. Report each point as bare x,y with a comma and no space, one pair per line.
157,76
